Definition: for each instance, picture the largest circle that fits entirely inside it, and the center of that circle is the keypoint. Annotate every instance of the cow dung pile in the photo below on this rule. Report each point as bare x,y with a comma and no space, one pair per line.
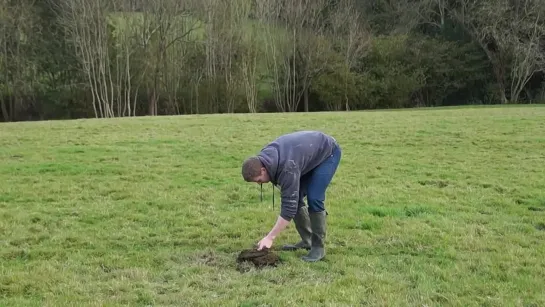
258,259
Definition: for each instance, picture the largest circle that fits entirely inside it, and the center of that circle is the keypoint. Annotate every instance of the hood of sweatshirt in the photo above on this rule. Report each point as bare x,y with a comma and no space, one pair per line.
269,157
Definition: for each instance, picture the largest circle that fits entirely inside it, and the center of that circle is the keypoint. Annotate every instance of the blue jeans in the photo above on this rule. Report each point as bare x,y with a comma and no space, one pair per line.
314,184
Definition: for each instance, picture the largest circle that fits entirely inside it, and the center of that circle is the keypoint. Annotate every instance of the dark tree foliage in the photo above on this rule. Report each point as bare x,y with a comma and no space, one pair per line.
210,57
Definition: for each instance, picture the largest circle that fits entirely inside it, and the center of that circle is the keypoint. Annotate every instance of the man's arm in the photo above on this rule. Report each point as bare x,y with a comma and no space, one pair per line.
289,185
280,225
290,200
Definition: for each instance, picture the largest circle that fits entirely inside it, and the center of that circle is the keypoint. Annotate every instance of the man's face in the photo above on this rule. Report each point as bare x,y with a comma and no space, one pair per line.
263,177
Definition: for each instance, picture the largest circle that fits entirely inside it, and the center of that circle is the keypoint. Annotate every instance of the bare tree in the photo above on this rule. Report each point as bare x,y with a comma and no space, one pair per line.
432,12
126,50
276,47
86,23
212,16
6,23
225,51
306,22
118,63
510,34
249,65
230,33
180,43
16,64
303,52
527,52
352,40
167,24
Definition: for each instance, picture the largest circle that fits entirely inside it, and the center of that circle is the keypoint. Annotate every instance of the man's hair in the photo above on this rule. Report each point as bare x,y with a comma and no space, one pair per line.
251,168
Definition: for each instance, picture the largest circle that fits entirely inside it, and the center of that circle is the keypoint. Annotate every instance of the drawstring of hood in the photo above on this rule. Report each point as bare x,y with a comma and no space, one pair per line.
267,157
272,193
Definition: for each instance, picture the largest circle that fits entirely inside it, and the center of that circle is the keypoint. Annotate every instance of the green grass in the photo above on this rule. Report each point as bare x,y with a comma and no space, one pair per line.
429,207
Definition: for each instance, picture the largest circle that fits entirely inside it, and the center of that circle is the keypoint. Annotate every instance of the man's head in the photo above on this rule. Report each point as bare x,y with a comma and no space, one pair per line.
254,171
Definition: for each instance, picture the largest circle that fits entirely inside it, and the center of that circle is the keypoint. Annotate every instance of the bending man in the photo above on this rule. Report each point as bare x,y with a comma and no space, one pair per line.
301,164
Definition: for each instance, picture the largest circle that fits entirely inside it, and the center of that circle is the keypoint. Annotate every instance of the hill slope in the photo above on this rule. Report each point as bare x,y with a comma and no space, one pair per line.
436,207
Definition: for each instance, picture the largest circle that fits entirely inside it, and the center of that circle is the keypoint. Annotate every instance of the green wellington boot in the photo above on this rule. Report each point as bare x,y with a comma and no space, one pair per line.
302,224
318,226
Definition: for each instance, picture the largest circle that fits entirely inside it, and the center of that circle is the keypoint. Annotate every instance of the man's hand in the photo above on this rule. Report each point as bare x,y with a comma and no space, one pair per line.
266,242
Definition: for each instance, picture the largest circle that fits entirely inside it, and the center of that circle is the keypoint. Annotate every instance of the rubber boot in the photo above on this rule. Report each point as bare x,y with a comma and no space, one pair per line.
318,226
302,224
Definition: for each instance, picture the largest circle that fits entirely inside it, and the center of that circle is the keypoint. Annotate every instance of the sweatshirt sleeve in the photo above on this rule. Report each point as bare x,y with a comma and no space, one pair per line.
290,193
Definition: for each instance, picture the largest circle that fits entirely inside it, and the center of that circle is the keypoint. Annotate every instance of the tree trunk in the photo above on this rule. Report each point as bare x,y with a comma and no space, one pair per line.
4,111
305,97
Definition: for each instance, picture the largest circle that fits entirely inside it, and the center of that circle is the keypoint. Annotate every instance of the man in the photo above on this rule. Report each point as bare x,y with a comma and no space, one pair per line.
301,164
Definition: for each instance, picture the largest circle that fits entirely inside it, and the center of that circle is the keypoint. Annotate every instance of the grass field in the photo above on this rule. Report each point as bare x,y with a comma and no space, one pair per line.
438,207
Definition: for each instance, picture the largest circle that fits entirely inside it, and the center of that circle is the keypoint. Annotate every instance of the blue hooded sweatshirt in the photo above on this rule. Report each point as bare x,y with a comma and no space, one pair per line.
290,157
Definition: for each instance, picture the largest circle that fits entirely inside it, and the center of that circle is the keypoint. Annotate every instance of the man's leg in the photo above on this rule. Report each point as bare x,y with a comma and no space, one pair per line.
316,190
302,220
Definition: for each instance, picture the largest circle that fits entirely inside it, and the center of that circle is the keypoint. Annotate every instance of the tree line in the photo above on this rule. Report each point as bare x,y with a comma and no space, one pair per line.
112,58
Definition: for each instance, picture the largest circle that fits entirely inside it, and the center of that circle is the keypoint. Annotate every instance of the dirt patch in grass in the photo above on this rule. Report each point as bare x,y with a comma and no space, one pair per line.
208,258
259,259
438,183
